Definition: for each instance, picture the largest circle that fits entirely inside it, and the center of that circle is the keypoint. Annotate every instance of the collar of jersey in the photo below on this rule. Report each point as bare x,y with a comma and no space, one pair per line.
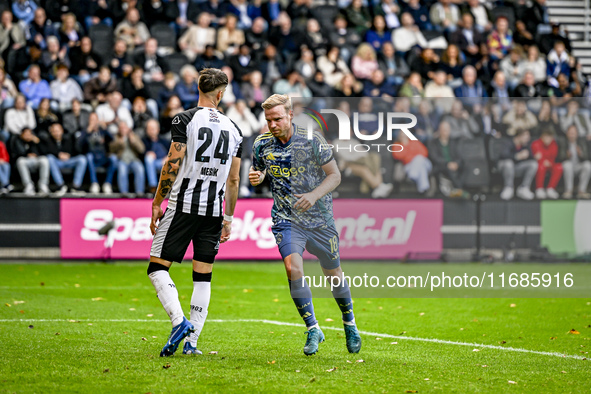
281,144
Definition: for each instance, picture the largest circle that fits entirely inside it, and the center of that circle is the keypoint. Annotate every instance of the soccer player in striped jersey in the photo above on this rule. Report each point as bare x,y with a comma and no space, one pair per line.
303,173
202,168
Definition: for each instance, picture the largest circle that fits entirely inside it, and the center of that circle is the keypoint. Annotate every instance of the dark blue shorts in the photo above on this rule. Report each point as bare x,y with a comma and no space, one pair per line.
322,242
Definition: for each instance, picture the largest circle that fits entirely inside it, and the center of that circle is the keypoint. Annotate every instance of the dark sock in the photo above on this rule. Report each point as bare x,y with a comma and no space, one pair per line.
342,295
302,298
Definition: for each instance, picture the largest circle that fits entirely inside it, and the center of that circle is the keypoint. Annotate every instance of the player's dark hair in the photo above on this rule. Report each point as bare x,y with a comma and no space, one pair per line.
211,79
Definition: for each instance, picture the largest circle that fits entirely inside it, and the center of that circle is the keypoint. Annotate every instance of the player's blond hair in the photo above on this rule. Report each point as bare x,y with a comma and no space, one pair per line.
278,99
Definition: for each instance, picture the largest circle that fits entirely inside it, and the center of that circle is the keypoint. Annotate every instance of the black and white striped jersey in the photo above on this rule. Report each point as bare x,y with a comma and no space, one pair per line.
212,139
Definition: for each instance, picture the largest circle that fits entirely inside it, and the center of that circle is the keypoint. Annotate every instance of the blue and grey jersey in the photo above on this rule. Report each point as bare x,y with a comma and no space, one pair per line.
295,168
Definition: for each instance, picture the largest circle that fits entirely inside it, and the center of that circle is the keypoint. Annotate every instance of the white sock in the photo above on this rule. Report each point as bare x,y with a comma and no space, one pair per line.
314,326
168,295
199,305
349,323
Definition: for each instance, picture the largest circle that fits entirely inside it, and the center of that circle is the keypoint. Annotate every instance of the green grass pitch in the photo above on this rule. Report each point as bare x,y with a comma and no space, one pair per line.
99,328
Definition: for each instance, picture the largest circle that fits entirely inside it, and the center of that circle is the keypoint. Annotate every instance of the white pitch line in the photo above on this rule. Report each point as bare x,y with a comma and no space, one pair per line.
280,323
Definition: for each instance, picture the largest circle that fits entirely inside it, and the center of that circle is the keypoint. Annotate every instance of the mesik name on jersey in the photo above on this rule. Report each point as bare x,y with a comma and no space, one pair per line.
208,171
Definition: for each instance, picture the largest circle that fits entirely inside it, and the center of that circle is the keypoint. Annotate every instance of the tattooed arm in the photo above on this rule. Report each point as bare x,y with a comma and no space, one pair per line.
170,170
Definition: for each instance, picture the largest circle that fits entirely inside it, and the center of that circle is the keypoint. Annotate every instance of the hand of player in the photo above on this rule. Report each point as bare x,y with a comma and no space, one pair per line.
305,201
256,177
156,215
226,230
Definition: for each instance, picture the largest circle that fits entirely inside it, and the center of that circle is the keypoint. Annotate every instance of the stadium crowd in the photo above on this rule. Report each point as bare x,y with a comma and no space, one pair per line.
90,88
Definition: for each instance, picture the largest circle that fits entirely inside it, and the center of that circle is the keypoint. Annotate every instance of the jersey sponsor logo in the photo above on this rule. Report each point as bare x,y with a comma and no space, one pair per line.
125,228
208,171
360,231
176,120
279,172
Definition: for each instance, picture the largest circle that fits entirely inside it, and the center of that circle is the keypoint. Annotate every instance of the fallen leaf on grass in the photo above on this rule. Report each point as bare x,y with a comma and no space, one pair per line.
135,299
126,332
359,361
18,302
31,326
297,370
476,350
98,299
421,314
275,299
76,285
313,379
132,309
512,305
349,362
411,391
552,338
144,339
150,314
329,319
42,284
21,311
90,324
154,336
379,339
57,333
393,343
106,370
332,369
213,352
8,305
426,379
511,382
247,290
573,331
271,362
562,371
166,366
484,366
502,342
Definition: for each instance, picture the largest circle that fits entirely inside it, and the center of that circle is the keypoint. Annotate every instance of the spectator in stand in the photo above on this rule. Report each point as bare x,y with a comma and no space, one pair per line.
39,29
293,85
185,12
547,119
485,66
153,64
426,64
519,117
121,63
61,153
167,90
444,153
480,14
186,88
255,92
26,152
242,64
358,16
106,12
69,33
44,118
574,155
34,88
463,125
427,121
468,39
516,160
287,40
333,66
272,65
438,89
419,13
20,117
522,36
12,37
471,91
93,143
112,113
510,66
300,12
52,57
364,62
558,62
64,89
173,107
128,148
247,122
534,63
580,119
414,157
158,11
413,87
8,90
230,37
548,41
408,35
24,11
76,118
444,16
131,30
563,93
500,40
343,37
545,150
306,65
134,87
349,87
257,36
208,59
156,150
452,62
528,87
499,90
378,35
5,186
85,63
197,37
392,65
389,9
98,88
314,38
377,86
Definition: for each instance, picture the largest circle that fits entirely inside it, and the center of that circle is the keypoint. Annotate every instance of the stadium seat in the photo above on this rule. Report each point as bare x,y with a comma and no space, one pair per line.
102,40
176,61
166,37
474,155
